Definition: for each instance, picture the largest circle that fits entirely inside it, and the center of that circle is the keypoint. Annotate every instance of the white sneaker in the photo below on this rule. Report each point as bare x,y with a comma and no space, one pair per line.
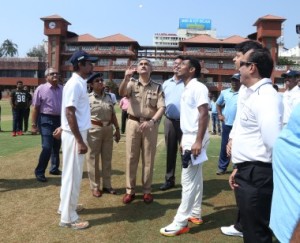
174,229
230,230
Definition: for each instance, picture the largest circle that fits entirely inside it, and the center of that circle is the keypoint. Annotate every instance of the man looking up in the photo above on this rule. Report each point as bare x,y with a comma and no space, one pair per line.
257,125
193,122
146,106
173,89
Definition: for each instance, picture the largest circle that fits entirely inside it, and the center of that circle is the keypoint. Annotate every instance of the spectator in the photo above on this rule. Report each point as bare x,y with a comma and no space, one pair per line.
113,96
146,106
75,123
0,109
257,125
285,211
194,125
100,136
227,100
291,97
46,111
173,89
18,102
124,103
27,109
214,116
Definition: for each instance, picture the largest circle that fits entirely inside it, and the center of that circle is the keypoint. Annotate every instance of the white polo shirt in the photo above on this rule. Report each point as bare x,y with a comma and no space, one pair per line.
75,94
194,95
290,100
257,124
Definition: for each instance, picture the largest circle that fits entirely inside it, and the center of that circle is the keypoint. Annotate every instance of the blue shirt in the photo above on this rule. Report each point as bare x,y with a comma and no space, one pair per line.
213,106
228,97
173,91
285,211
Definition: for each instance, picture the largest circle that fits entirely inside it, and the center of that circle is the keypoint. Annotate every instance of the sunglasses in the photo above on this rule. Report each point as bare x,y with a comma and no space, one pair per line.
247,64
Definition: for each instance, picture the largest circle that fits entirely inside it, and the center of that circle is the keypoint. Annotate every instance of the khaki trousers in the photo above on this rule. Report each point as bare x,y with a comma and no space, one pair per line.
137,142
100,143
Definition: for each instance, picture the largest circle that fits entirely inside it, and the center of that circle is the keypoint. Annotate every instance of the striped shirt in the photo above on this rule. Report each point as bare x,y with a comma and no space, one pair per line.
48,98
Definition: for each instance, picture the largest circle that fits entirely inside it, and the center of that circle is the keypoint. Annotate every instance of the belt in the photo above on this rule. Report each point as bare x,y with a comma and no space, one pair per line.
101,123
171,119
256,163
138,119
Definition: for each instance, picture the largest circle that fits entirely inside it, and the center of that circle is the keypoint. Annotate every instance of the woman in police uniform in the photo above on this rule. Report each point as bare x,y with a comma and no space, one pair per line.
100,136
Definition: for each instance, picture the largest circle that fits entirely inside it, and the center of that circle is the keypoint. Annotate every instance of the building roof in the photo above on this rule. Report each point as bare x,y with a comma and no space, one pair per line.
235,39
269,17
54,17
202,39
116,38
83,38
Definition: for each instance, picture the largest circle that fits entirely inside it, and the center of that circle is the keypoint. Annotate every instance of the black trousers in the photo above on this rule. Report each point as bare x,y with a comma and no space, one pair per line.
123,120
254,195
173,136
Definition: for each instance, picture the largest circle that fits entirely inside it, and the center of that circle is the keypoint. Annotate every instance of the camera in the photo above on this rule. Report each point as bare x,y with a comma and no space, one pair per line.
186,158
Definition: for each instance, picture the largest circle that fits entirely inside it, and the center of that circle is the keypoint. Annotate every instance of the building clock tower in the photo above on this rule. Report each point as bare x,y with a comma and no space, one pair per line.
56,28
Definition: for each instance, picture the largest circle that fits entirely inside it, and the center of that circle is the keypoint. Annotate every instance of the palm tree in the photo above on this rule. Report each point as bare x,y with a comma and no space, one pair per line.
8,48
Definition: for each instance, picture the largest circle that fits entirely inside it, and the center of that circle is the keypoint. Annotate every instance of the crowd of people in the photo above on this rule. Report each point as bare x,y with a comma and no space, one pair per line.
260,136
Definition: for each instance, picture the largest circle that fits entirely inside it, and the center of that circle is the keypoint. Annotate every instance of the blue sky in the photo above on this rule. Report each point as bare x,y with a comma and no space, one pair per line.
140,19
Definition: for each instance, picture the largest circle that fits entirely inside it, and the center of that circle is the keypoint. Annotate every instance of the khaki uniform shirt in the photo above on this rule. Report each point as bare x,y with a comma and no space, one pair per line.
102,107
144,100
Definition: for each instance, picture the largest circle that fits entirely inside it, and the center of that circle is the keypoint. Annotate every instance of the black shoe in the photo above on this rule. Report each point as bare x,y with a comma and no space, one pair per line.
57,172
168,185
41,178
110,191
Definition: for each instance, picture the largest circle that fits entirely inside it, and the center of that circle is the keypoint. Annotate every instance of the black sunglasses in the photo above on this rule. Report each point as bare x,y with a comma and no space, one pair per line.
247,64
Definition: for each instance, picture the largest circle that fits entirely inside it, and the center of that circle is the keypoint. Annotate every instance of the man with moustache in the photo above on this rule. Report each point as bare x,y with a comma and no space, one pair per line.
173,89
146,106
193,122
46,110
75,122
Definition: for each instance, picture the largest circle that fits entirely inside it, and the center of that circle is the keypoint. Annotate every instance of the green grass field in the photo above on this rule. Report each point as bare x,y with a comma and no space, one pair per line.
28,208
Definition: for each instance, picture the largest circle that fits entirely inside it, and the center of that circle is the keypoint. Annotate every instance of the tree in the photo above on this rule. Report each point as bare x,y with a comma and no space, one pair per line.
8,48
285,61
37,51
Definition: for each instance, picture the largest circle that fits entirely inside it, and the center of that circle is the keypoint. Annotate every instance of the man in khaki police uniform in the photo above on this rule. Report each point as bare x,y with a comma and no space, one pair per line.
145,109
100,136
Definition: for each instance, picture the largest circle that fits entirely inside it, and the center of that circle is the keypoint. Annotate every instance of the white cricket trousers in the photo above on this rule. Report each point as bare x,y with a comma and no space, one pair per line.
192,191
71,176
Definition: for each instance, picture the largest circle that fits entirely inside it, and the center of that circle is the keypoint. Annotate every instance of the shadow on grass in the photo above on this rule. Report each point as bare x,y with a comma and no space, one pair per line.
213,187
20,184
133,212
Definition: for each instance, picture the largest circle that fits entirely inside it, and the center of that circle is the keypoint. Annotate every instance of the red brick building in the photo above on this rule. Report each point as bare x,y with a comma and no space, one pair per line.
117,52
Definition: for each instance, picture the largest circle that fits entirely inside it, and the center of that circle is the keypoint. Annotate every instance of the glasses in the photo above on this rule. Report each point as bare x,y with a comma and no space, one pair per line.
53,74
247,64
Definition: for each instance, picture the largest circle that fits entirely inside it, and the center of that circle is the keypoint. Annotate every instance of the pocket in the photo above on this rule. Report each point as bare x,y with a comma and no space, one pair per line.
153,100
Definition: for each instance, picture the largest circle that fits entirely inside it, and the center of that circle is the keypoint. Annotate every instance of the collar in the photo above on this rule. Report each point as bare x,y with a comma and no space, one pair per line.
260,83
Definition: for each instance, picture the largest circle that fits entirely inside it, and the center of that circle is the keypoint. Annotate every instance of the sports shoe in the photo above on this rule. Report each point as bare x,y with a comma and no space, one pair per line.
174,229
20,133
231,231
221,172
195,220
79,208
13,134
77,224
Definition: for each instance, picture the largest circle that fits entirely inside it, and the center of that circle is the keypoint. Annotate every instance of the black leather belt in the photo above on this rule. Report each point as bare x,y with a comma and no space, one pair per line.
100,123
138,119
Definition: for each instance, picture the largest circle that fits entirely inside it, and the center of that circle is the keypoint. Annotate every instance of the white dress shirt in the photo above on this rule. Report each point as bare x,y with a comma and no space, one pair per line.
257,124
